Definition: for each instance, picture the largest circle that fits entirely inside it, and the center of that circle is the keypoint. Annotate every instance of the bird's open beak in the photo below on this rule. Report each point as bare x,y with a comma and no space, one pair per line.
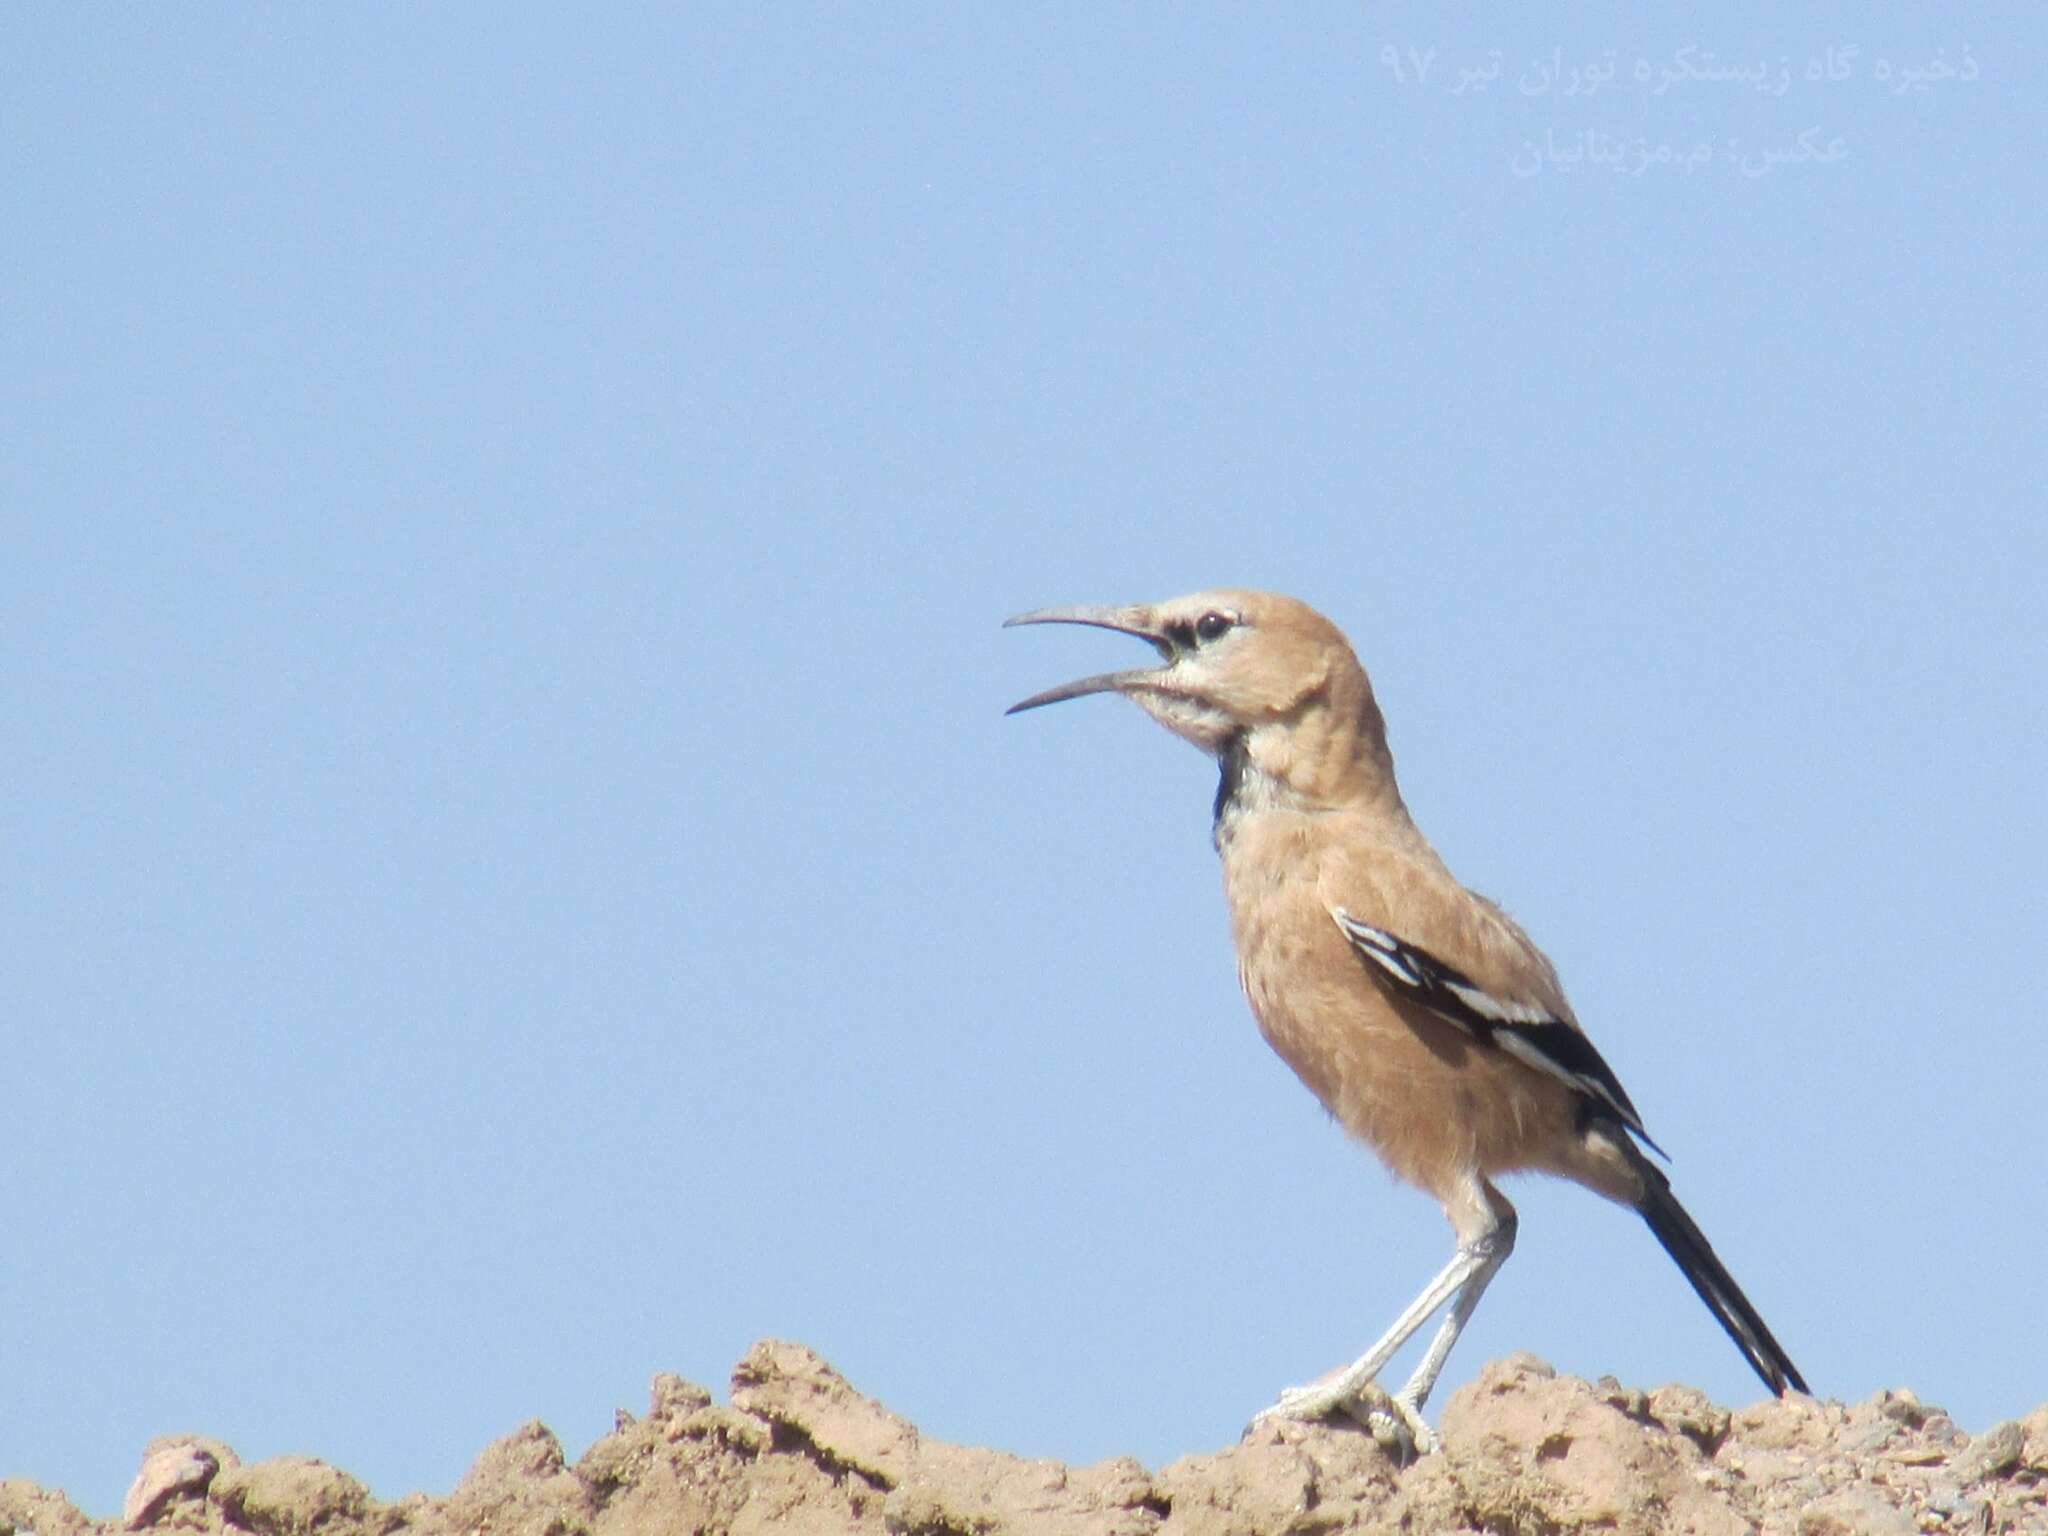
1136,620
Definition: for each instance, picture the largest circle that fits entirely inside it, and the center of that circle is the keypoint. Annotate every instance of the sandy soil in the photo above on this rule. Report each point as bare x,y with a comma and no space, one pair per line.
799,1450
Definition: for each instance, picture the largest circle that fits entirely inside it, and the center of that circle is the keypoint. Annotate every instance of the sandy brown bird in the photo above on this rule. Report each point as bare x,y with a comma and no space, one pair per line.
1422,1017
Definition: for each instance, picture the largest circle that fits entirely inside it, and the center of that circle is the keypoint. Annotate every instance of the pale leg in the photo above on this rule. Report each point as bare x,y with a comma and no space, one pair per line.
1486,1224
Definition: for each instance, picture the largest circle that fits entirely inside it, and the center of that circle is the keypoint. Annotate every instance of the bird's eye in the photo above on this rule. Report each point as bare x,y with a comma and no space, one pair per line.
1212,625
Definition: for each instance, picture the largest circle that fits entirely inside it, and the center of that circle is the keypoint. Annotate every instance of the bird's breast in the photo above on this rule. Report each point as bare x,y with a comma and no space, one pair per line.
1433,1102
1293,963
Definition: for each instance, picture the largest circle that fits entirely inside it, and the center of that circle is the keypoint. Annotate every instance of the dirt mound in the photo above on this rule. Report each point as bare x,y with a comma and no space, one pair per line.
1526,1450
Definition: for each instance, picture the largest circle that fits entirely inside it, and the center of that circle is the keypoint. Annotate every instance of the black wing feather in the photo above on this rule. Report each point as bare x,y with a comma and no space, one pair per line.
1531,1034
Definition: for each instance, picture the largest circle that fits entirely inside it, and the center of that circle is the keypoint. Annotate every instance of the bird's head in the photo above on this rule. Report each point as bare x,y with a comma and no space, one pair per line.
1257,670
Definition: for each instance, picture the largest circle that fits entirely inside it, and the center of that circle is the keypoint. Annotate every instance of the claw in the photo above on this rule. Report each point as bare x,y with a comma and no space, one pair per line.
1393,1422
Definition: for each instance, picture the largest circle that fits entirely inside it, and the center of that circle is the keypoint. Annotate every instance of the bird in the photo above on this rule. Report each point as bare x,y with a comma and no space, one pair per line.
1418,1012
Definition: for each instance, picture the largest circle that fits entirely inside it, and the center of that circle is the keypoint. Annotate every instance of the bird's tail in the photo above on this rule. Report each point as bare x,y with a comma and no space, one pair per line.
1694,1255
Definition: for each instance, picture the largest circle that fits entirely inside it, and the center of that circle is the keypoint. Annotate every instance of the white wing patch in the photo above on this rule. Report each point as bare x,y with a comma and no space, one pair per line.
1497,1008
1533,1035
1405,965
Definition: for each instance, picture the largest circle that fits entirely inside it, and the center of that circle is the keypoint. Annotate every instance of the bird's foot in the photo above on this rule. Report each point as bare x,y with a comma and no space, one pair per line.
1392,1421
1395,1423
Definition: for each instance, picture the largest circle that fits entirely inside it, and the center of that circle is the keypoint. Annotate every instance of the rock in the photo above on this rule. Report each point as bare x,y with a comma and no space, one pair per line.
791,1387
1535,1440
1855,1512
288,1496
1994,1453
801,1451
28,1510
529,1452
173,1467
520,1486
675,1398
1279,1477
1693,1414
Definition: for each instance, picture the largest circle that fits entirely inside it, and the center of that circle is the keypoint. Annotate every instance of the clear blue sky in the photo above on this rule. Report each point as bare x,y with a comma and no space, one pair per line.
519,878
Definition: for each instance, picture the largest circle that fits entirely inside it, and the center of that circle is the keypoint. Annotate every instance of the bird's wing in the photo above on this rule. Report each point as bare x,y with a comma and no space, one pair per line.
1532,1032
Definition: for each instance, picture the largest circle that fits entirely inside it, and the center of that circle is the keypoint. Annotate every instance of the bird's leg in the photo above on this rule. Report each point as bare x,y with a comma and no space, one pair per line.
1486,1230
1318,1398
1416,1392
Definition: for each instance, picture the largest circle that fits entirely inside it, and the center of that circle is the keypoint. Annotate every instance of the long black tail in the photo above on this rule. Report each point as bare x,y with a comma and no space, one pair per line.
1690,1250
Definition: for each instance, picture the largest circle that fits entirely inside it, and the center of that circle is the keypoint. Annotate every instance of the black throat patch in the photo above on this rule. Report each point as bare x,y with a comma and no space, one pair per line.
1228,786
